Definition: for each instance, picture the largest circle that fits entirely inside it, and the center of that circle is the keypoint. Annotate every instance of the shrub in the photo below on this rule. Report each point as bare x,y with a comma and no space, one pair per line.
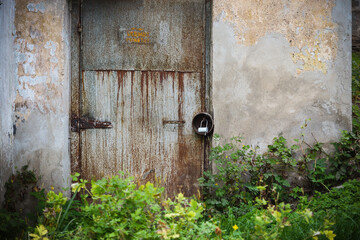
117,208
243,177
275,222
23,202
342,204
356,91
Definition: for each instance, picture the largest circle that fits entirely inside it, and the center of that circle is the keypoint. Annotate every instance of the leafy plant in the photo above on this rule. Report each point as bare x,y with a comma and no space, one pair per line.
12,225
119,208
276,222
59,213
23,202
40,233
242,175
356,91
181,219
342,204
228,186
345,162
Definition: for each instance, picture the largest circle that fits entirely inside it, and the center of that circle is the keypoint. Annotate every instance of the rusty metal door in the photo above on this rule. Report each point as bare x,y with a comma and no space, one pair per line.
140,64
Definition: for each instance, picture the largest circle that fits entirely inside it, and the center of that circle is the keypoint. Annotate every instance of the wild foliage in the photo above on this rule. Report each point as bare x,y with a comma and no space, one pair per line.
256,196
119,208
356,91
248,196
243,177
23,203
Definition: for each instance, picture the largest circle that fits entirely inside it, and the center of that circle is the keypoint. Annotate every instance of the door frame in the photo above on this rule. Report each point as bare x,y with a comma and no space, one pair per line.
77,78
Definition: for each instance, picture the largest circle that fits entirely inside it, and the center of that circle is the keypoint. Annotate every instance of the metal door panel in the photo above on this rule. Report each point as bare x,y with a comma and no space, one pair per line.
150,90
145,140
172,35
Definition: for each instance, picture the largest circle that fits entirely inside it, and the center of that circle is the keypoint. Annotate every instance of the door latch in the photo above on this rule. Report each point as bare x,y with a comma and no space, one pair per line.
86,123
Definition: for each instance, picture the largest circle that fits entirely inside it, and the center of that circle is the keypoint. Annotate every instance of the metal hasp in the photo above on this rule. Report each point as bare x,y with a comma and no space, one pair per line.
180,122
85,123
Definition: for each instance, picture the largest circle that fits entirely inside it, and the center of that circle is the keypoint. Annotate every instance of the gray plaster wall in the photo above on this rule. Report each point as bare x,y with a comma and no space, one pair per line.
35,93
278,63
7,91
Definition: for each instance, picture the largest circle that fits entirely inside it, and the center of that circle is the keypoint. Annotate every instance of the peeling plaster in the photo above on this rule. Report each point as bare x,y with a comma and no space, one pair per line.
40,7
307,25
38,47
52,46
41,79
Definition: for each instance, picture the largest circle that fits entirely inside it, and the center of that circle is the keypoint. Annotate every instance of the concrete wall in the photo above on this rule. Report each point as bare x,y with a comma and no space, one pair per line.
277,63
35,69
7,91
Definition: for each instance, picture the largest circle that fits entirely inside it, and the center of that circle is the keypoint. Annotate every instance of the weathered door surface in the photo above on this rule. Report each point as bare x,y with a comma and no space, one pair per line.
141,67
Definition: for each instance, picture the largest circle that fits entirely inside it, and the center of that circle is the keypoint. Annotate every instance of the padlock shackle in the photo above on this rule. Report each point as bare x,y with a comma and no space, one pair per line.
201,123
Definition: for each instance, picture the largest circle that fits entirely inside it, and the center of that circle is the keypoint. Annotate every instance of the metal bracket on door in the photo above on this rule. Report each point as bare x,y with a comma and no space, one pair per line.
85,123
180,122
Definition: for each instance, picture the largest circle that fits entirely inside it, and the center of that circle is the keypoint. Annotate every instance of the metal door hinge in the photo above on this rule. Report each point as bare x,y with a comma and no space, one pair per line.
85,123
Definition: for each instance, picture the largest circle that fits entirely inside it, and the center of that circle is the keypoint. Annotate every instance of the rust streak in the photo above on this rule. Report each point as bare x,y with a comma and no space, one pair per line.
161,78
103,78
180,94
147,96
120,85
142,98
83,85
132,132
155,82
181,164
120,76
202,92
132,90
173,83
122,100
173,79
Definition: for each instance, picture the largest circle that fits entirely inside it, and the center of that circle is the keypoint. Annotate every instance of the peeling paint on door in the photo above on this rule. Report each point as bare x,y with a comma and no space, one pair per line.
139,105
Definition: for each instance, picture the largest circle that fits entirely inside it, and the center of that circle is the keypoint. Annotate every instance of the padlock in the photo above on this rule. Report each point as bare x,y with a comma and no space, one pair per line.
203,129
203,124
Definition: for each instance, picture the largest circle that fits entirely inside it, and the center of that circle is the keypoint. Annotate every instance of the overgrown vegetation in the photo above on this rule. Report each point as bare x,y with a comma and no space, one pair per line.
356,91
244,178
262,195
290,192
121,209
23,203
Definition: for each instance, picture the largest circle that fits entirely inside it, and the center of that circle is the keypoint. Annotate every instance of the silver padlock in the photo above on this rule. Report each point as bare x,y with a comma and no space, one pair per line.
203,129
